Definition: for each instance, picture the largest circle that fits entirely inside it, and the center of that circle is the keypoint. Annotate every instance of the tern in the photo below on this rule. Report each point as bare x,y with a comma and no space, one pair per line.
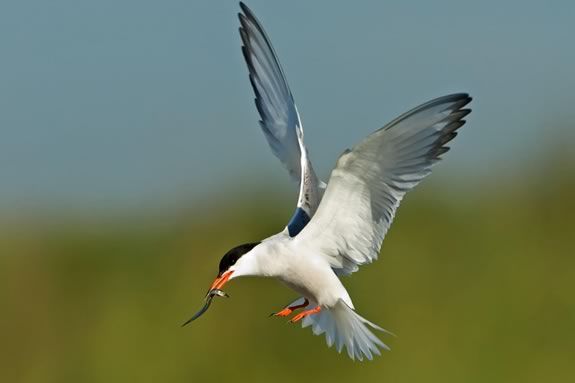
341,225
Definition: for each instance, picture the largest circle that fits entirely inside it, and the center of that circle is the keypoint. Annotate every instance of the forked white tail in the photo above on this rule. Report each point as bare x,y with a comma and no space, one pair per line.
344,327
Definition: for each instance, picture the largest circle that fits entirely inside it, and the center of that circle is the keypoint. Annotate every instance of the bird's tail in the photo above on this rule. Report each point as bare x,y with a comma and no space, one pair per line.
344,327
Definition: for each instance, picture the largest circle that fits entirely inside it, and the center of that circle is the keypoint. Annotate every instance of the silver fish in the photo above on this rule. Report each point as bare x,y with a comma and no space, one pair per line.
219,293
208,301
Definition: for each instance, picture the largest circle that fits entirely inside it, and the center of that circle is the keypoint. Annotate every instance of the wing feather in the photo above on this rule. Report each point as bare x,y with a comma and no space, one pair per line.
369,182
274,101
279,117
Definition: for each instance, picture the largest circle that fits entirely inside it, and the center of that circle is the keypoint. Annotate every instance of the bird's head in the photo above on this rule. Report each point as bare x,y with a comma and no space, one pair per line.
235,263
239,261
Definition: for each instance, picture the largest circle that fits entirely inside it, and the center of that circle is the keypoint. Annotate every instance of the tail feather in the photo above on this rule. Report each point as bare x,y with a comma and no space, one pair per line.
344,327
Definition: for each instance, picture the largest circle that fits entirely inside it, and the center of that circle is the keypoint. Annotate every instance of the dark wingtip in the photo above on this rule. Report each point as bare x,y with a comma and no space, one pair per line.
450,131
245,9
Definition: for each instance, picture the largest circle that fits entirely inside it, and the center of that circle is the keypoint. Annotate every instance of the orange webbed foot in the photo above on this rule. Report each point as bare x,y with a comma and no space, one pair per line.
303,314
284,313
290,309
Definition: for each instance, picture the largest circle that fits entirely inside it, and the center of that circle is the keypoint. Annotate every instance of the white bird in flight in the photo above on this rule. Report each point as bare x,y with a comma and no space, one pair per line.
337,226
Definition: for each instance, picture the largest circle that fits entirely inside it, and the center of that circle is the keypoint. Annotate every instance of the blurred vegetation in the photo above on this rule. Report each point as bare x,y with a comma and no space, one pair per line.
478,287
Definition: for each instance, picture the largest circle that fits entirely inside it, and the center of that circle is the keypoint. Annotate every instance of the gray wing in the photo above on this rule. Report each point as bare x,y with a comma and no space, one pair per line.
369,182
280,120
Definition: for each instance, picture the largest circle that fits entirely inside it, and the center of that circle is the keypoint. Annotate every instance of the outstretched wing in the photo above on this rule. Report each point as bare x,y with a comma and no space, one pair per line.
280,120
369,181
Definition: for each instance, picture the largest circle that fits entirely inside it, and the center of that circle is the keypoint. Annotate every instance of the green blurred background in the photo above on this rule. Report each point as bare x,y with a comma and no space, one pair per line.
478,287
131,162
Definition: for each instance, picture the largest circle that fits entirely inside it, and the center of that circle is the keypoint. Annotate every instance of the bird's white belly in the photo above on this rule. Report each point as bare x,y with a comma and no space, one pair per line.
313,278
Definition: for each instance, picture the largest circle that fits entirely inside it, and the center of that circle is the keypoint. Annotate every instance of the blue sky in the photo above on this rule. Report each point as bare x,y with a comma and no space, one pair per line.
125,103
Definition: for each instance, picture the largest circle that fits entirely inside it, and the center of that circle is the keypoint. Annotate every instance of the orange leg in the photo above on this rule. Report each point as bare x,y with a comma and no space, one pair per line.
289,309
303,314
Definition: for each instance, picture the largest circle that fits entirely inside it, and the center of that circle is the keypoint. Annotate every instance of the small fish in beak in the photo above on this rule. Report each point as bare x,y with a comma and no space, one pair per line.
208,301
219,293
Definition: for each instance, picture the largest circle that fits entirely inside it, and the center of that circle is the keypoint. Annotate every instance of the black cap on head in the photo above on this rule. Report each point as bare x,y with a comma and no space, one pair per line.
232,256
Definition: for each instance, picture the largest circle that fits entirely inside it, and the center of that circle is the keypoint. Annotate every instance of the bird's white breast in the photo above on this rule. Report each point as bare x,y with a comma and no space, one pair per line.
308,274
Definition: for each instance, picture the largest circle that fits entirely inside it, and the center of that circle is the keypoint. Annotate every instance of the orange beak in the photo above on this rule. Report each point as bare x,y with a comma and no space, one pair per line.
221,280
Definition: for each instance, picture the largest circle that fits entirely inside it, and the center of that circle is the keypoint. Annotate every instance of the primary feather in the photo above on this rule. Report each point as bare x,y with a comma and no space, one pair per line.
279,117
